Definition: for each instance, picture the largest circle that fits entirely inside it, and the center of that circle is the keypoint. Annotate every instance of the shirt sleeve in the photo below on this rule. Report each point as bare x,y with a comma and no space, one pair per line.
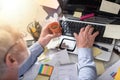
35,50
86,65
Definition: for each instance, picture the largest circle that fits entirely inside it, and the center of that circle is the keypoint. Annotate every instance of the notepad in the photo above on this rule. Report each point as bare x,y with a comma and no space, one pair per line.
112,31
45,72
110,7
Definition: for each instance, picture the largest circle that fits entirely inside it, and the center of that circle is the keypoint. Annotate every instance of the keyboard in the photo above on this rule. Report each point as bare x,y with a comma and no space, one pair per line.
71,26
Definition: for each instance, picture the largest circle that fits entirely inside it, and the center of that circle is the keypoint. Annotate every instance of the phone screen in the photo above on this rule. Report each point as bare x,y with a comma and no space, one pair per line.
68,44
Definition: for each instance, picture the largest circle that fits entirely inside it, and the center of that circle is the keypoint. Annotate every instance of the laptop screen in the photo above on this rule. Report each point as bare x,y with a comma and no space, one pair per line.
92,6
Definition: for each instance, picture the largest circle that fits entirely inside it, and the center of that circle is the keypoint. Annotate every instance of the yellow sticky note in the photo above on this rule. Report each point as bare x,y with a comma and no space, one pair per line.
77,14
96,51
99,67
43,55
42,77
117,77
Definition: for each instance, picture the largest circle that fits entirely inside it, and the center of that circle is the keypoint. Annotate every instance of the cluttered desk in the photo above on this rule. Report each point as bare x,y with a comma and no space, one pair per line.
64,60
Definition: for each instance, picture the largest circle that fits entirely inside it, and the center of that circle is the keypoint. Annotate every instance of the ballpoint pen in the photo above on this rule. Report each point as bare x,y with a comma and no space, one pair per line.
101,47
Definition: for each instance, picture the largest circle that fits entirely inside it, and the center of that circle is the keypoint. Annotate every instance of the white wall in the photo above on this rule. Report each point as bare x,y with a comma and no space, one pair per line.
20,16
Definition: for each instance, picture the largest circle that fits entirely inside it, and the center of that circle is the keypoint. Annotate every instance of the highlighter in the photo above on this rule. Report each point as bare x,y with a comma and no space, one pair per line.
87,16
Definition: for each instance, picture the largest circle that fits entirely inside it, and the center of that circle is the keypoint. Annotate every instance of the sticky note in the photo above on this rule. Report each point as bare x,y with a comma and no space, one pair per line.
99,67
117,76
41,77
110,7
77,14
45,70
96,51
112,31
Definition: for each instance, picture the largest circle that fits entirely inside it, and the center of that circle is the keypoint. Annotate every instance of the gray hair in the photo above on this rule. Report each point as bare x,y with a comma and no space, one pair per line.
8,37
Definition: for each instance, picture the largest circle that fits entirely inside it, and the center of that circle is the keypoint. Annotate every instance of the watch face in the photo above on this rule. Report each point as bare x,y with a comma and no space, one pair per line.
68,44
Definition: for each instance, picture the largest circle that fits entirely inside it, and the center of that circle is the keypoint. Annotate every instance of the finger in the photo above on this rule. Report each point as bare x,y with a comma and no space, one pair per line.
95,34
87,28
91,30
82,29
75,35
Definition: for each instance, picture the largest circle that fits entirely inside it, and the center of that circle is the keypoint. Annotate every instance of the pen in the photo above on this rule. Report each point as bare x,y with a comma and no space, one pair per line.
101,47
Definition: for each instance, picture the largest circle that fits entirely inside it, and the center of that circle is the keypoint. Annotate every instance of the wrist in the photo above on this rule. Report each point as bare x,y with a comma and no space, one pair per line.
41,43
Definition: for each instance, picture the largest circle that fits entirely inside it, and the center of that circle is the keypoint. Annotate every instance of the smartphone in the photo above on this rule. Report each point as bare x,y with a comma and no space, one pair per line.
68,44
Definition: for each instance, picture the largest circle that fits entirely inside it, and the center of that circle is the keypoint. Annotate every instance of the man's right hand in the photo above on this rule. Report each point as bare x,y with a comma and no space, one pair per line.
85,38
47,35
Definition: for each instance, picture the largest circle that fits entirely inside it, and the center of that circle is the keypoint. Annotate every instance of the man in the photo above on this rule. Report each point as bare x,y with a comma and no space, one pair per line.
16,59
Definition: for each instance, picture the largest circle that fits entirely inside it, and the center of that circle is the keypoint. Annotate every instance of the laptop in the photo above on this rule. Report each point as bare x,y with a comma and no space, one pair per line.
72,49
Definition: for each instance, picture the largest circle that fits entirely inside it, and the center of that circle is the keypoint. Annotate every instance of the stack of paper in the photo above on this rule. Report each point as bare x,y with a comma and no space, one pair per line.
110,73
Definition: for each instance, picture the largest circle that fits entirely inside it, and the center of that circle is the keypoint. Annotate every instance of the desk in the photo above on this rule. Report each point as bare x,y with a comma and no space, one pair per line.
74,59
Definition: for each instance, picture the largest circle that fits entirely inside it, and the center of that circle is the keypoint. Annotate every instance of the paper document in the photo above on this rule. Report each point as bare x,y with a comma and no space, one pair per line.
110,7
49,3
112,31
57,58
110,73
68,72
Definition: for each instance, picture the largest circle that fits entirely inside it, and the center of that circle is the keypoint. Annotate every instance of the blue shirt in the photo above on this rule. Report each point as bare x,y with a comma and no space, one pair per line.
86,65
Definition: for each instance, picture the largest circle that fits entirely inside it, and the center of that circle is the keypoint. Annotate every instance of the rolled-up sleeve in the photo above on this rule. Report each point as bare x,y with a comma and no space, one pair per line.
86,65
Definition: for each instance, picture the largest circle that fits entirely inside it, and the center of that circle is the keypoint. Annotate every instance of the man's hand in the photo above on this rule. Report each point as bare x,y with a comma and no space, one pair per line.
46,36
85,38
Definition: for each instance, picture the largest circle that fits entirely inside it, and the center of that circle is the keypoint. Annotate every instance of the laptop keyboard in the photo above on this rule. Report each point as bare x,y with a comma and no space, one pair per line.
71,26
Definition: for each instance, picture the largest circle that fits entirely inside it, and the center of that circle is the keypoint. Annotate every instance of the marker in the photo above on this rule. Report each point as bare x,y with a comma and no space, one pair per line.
101,47
87,16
